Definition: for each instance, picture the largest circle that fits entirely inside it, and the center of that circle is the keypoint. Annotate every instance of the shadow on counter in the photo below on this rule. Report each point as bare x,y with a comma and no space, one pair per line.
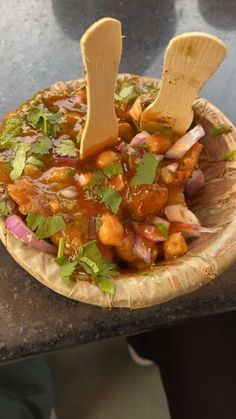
219,14
147,27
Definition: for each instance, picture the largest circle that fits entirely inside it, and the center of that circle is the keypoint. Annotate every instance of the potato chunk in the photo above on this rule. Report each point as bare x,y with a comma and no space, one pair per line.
143,200
175,246
158,144
29,197
111,231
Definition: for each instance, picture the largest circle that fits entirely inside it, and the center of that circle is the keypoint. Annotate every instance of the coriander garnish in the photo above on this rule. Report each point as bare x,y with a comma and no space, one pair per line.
220,129
113,169
44,120
19,160
45,227
94,264
67,148
146,171
163,229
42,145
110,197
4,209
230,156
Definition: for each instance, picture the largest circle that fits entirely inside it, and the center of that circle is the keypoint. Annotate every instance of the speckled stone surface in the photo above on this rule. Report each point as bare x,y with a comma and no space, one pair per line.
40,45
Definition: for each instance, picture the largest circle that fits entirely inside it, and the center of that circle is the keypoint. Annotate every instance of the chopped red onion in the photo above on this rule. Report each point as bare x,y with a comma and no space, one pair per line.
142,151
180,213
191,230
212,230
18,228
159,157
181,146
148,232
92,228
159,220
194,183
139,139
122,147
141,250
172,167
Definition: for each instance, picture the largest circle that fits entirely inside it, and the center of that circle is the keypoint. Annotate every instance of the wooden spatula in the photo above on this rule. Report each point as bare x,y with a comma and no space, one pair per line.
190,59
101,51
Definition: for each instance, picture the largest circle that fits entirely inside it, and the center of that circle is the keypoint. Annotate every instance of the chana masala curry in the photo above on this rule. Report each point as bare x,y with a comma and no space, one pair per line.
124,208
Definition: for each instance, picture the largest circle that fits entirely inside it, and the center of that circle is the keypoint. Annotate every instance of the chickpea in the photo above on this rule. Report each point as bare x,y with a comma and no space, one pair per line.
60,174
106,158
116,182
158,144
83,178
111,231
175,246
126,131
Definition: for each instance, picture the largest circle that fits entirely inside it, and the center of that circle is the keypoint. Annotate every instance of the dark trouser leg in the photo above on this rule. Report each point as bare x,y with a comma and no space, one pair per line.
25,390
197,361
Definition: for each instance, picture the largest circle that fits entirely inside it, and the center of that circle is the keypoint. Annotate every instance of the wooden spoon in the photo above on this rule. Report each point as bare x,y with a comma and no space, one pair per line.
190,59
101,51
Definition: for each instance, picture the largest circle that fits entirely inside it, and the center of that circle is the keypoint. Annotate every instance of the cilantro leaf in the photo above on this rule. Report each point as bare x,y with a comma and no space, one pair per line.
34,161
45,227
61,247
220,129
98,176
163,229
113,169
42,119
36,113
42,145
90,259
106,285
89,265
230,156
11,129
97,180
4,209
67,270
146,171
60,260
101,267
110,197
12,126
128,92
19,160
67,148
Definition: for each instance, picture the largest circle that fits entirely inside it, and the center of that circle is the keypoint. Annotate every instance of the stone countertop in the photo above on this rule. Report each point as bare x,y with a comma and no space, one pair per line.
40,45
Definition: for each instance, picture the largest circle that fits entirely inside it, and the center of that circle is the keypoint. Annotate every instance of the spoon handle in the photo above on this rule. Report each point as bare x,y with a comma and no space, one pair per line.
101,48
190,60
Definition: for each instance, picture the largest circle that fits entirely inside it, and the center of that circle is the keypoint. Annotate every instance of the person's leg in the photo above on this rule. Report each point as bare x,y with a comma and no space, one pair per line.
25,390
198,366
